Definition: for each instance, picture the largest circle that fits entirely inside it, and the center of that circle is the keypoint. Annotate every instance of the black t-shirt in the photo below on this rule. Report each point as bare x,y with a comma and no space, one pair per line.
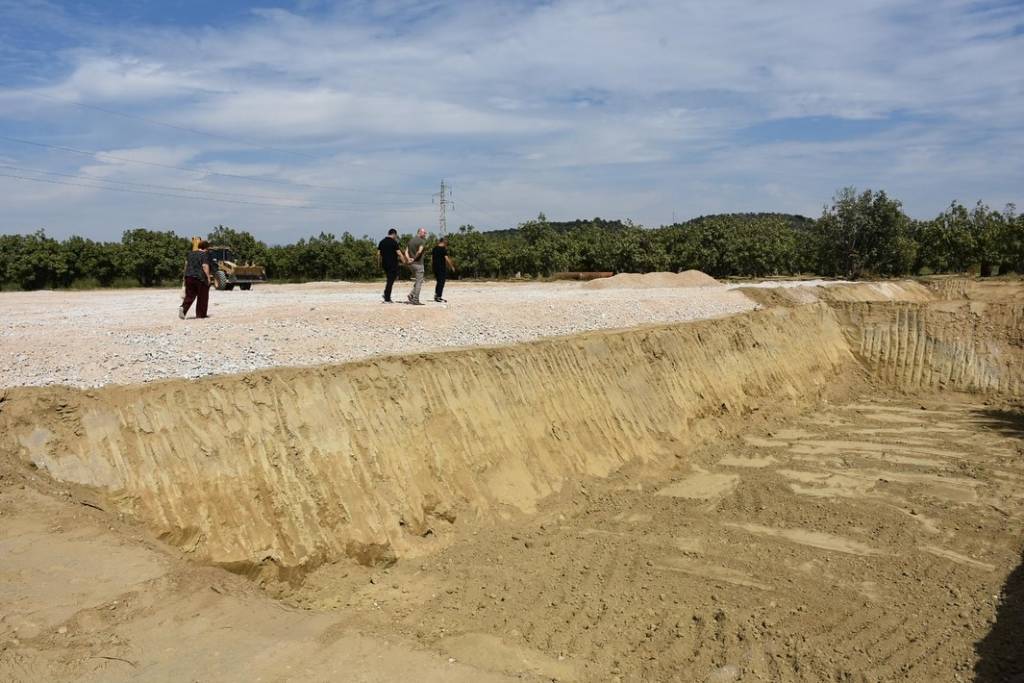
437,258
388,249
194,264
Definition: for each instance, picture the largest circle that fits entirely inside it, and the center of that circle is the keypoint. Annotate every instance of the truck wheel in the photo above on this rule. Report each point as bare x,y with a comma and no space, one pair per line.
246,287
221,280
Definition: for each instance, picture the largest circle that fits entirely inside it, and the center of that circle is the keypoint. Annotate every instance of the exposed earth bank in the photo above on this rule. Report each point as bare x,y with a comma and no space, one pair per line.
826,489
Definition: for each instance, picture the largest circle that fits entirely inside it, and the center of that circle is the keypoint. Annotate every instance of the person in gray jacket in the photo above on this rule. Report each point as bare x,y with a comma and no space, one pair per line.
414,252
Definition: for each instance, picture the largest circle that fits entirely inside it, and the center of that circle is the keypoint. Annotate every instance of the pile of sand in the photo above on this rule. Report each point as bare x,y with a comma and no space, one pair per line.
688,278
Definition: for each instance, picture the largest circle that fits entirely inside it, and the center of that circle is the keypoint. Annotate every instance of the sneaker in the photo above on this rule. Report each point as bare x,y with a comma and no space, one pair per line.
181,312
416,302
440,300
387,301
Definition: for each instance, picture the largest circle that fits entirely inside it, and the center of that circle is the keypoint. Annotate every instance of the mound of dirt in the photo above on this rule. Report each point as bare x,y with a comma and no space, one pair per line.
688,278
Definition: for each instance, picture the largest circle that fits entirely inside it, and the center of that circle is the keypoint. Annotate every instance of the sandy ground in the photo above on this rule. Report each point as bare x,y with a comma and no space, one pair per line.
86,598
805,505
100,337
862,541
865,541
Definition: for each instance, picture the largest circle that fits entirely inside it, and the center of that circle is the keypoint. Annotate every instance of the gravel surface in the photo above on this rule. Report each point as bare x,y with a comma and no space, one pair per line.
92,338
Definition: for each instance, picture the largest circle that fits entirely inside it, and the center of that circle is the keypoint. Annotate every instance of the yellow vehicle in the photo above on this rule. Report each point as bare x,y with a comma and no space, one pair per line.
228,272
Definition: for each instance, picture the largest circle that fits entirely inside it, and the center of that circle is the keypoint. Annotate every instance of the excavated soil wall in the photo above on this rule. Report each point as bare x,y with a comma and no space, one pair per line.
283,470
956,334
972,347
280,471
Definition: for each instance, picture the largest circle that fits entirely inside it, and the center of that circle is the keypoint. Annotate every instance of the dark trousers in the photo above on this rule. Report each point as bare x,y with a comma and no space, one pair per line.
199,291
440,277
392,274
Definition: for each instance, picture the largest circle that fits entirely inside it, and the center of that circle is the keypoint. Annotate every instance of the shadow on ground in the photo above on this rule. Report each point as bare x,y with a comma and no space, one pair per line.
1001,652
1009,422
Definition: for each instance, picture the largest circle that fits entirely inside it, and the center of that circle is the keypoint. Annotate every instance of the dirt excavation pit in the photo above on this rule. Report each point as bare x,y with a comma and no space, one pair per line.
846,562
828,488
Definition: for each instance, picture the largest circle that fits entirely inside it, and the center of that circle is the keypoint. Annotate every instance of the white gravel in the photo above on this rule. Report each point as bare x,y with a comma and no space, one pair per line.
89,339
788,284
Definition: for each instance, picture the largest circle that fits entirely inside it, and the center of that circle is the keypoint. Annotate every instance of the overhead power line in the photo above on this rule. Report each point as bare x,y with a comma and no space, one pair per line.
220,174
181,196
481,212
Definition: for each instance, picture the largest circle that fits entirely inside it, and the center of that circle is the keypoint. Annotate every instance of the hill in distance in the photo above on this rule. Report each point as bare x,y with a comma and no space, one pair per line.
796,221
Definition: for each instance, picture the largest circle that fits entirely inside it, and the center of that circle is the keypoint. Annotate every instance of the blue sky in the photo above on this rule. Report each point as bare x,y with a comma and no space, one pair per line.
289,118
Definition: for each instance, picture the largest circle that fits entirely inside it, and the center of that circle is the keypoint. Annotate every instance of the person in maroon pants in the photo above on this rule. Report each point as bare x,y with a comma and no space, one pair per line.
197,281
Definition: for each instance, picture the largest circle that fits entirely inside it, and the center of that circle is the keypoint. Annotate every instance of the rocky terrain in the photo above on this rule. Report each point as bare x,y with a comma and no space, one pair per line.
93,338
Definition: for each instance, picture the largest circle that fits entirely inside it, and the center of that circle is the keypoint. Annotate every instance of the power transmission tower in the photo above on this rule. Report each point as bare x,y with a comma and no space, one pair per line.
444,200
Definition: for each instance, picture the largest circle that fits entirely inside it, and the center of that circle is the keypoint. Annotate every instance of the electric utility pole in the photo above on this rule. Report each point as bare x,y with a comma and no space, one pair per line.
444,200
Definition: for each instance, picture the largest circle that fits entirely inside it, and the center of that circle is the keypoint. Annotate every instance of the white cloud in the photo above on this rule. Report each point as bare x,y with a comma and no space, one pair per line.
588,107
170,156
125,79
286,114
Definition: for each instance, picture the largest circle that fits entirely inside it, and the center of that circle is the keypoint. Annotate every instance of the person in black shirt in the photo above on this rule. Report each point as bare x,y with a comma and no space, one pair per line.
441,261
388,253
197,281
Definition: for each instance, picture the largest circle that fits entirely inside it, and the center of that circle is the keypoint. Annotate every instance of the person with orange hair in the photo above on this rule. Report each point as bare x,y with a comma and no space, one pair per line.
197,281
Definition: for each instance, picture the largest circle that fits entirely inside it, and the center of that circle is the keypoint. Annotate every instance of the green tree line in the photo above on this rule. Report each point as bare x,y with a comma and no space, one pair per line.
859,234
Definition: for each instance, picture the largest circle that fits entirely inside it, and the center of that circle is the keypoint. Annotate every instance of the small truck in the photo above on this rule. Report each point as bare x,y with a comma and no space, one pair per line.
228,272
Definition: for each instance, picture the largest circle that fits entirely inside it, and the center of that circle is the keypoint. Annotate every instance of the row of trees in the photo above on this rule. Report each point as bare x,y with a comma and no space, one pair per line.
859,234
142,257
868,233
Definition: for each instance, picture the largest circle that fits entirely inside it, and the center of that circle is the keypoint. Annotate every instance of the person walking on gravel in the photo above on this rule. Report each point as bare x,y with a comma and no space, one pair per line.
197,281
388,254
414,255
441,262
